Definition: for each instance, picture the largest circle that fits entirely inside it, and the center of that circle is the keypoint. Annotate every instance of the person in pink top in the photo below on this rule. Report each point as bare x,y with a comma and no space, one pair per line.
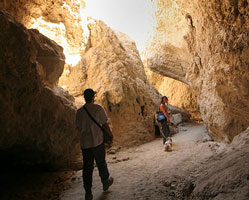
165,123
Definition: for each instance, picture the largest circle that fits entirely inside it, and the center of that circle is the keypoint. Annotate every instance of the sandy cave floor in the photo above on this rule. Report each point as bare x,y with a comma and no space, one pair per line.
147,172
142,172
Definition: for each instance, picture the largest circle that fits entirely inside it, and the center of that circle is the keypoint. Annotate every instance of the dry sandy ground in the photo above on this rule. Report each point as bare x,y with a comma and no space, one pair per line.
147,172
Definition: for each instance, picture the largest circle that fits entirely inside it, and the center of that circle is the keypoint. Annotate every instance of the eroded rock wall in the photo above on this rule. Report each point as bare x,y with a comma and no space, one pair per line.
215,64
37,121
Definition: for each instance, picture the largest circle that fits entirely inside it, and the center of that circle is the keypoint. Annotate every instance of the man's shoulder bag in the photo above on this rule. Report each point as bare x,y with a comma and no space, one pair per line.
106,135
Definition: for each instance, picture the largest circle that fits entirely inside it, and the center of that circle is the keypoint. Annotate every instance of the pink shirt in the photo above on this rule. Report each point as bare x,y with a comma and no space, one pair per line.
90,134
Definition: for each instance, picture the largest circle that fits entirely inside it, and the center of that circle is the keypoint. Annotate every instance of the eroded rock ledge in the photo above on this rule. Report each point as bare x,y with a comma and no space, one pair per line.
37,117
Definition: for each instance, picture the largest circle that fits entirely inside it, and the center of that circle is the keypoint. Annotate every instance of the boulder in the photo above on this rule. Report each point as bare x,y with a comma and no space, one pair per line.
176,119
175,110
226,173
37,121
50,58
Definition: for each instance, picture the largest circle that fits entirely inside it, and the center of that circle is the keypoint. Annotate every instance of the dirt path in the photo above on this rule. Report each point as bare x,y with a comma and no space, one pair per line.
147,172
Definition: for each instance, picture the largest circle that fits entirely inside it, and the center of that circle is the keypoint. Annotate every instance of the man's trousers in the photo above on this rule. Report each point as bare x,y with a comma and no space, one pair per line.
89,155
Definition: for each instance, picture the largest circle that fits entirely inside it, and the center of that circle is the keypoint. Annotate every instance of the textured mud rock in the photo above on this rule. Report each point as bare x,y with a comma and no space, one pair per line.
37,122
210,40
226,173
111,65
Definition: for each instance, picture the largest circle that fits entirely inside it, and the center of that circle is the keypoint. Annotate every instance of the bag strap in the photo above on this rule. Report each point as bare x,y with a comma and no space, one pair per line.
92,118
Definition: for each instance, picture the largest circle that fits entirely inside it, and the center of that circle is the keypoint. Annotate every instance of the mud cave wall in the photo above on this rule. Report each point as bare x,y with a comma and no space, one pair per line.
205,45
190,51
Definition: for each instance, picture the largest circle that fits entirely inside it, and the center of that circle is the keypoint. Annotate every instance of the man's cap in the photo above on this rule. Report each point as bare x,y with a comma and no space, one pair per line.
89,93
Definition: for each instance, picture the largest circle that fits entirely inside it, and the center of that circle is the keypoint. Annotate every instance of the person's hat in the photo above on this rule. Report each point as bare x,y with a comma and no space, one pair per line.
89,93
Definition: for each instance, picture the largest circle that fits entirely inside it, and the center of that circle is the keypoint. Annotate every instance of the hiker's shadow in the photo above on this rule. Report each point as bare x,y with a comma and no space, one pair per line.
103,196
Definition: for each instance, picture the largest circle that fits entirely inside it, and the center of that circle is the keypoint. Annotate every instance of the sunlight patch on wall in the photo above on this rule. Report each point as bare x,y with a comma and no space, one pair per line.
57,32
72,59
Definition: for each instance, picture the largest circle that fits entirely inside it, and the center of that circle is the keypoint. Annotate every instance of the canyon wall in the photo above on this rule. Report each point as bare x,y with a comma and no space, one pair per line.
205,44
37,117
110,64
168,54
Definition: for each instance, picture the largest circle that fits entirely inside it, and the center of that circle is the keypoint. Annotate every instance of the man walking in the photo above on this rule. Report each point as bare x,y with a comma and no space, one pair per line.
92,142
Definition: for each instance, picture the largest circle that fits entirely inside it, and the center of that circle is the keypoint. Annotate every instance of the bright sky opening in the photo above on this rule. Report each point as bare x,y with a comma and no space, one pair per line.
132,17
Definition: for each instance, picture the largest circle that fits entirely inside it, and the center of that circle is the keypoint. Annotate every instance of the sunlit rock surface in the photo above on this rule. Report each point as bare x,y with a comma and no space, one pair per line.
111,65
205,44
168,53
37,121
59,20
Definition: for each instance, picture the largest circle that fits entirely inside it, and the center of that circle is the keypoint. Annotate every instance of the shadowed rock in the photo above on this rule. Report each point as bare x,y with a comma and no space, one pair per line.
37,122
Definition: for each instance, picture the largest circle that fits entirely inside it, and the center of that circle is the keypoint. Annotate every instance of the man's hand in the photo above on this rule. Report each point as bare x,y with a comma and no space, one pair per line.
108,130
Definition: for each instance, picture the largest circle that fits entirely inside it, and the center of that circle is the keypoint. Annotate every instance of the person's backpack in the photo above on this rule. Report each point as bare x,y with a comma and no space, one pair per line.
160,116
